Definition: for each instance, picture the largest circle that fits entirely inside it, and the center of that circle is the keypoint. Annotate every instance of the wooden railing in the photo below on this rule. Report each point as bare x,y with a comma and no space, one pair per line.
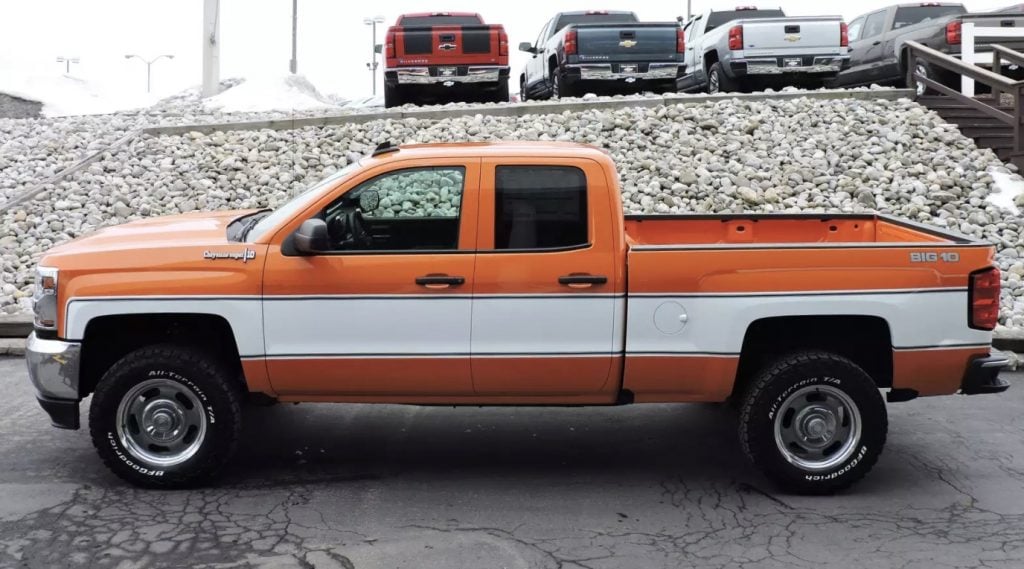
999,84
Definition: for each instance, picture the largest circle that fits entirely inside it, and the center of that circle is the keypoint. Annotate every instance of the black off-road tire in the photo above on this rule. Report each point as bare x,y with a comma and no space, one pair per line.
926,70
784,378
392,96
501,93
560,86
717,77
523,96
196,372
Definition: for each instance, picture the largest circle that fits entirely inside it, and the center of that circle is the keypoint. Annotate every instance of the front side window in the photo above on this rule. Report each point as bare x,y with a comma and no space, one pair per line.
875,25
540,207
405,210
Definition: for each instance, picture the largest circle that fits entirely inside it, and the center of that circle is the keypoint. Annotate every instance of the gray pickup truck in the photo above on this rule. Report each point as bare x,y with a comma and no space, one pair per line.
878,51
750,48
601,50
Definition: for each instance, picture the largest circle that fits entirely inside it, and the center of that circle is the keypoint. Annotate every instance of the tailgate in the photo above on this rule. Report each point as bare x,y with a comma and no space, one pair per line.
447,44
627,42
790,35
1012,22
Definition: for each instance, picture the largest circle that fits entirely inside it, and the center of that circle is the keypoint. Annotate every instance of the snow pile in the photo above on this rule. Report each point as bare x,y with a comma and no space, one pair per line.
1007,189
291,92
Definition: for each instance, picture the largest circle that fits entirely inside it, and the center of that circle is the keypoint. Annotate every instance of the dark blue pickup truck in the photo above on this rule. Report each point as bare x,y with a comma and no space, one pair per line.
576,51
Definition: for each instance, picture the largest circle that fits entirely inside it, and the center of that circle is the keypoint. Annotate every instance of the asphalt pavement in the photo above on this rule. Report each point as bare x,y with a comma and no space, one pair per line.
359,486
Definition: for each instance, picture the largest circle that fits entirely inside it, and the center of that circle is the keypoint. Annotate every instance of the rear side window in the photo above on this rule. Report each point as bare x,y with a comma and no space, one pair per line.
429,21
540,207
718,18
910,15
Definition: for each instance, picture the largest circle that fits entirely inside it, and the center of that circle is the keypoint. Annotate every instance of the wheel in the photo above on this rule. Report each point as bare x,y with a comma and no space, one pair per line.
560,88
392,98
523,96
813,422
923,69
719,82
165,417
501,93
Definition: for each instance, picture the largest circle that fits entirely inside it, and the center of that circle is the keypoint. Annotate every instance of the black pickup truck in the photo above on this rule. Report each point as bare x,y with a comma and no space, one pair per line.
602,49
878,50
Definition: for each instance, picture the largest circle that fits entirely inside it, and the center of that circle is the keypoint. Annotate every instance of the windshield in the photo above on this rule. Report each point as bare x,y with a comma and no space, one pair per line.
916,14
289,208
718,18
613,18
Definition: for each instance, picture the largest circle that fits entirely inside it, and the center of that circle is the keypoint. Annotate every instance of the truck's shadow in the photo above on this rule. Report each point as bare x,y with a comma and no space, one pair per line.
307,443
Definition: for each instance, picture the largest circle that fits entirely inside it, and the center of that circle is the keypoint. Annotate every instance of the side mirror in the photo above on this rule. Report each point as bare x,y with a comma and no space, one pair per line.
369,200
311,237
527,47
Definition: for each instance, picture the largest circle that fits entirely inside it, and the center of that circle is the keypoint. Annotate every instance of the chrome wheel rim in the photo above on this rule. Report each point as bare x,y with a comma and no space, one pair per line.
713,85
920,87
817,428
161,422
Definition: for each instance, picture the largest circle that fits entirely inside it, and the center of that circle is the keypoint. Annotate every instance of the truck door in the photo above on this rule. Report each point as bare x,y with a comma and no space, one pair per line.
536,66
545,304
866,54
386,309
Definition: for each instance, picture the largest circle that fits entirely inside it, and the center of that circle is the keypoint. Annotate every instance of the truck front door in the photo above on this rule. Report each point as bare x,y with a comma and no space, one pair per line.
385,311
546,314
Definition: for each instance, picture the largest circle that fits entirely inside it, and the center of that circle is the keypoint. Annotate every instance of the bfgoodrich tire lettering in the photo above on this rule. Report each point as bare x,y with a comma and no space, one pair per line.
843,430
179,389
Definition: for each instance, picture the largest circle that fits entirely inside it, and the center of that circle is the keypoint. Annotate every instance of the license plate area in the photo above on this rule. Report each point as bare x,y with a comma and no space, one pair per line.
792,62
447,71
630,68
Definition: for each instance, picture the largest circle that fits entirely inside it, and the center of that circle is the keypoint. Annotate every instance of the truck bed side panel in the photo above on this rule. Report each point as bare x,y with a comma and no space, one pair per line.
689,310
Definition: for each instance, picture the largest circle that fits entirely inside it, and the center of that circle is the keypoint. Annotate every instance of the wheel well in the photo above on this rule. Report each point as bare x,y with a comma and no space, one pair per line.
109,338
710,58
865,340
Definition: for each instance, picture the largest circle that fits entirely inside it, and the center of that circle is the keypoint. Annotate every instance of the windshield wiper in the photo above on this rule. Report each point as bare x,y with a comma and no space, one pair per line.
251,222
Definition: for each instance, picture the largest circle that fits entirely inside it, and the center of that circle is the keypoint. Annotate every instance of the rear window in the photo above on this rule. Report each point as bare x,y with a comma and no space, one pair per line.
539,207
573,19
429,21
916,14
718,18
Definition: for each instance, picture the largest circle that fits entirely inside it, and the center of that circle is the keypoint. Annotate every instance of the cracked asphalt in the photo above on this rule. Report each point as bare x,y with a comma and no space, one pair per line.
357,486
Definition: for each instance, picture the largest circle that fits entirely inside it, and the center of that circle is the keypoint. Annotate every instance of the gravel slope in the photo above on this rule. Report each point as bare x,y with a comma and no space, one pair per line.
725,156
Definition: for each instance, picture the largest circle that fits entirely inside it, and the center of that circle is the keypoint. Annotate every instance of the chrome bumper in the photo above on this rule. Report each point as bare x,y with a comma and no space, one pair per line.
771,66
603,71
474,74
53,368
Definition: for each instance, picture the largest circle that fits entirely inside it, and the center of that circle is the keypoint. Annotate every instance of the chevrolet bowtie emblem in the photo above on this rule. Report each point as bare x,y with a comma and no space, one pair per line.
446,47
792,37
627,43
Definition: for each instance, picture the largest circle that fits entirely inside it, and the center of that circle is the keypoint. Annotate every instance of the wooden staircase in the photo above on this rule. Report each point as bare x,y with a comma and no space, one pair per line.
986,130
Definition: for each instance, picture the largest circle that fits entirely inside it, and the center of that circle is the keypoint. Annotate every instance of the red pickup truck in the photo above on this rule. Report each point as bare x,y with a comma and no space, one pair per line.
506,274
429,56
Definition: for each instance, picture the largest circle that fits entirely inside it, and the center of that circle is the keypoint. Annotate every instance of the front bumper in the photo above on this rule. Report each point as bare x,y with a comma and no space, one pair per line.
983,375
53,368
624,71
807,64
448,75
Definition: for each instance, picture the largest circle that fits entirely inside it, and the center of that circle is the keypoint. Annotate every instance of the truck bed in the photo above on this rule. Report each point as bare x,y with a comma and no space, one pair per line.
698,231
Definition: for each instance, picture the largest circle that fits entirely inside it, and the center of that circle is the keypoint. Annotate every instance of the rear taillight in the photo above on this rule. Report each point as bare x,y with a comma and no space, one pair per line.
953,33
389,43
502,43
983,299
680,40
736,37
570,42
844,35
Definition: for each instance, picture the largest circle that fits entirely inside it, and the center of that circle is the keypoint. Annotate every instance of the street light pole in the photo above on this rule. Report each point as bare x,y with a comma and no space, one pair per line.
294,64
149,65
372,66
67,61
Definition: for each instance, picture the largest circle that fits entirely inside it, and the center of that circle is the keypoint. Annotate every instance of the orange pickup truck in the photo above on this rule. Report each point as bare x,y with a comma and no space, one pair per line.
506,274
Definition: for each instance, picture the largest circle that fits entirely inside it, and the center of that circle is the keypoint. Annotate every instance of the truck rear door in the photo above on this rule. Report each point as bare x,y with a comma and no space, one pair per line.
546,315
446,39
627,42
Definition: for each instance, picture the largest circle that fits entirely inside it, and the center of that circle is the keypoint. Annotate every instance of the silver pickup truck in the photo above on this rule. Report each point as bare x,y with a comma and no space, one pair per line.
751,48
